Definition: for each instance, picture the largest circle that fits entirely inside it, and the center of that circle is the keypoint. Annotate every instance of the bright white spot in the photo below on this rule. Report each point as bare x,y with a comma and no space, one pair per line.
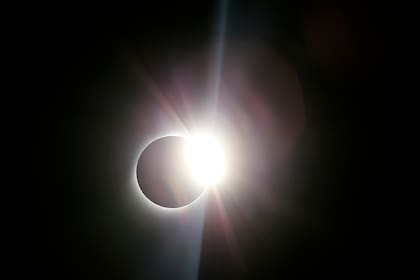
206,160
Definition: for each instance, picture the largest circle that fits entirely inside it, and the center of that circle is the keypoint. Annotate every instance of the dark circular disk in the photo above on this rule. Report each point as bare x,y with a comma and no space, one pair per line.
163,175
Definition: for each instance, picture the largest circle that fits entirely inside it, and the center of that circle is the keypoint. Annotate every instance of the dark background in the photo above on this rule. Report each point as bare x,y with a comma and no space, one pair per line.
69,51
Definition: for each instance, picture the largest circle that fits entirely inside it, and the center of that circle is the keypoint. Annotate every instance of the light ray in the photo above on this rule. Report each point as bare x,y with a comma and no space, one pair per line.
218,59
229,233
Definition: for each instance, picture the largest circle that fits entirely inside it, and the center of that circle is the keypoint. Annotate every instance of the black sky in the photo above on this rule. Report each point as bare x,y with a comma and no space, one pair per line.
75,57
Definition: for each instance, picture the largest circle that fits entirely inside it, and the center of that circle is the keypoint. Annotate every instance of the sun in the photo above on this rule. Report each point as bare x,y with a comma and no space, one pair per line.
206,159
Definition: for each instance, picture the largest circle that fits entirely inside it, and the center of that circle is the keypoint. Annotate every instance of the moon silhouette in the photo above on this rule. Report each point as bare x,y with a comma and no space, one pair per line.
163,174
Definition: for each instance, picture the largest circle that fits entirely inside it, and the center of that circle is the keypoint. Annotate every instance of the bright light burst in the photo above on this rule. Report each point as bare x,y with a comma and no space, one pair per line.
206,159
